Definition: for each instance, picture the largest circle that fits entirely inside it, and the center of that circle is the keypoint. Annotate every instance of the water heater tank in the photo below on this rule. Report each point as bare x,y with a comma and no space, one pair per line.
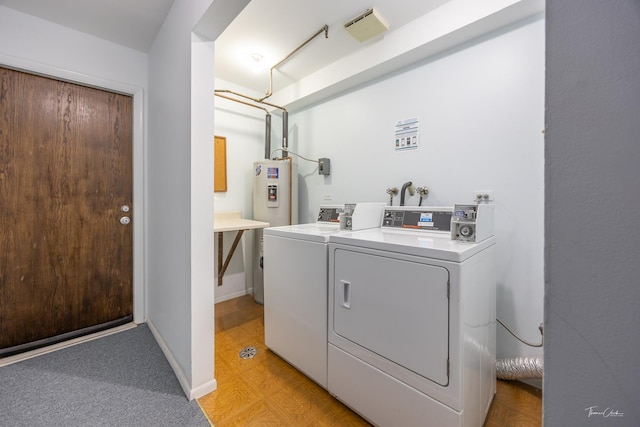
275,188
275,200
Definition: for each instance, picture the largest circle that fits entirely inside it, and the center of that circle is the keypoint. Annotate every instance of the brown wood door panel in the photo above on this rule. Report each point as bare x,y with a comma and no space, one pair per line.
66,262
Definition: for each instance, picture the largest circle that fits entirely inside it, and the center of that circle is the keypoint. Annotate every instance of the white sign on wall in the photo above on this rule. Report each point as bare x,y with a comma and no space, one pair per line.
406,134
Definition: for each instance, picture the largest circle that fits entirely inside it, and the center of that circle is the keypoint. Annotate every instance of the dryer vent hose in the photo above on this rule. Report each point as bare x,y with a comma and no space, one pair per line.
519,368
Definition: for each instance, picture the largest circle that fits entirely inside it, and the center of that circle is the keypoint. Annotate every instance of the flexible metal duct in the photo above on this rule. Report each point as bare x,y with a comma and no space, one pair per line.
519,368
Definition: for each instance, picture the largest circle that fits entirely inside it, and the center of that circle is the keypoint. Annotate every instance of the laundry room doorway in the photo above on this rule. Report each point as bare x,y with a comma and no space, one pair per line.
66,229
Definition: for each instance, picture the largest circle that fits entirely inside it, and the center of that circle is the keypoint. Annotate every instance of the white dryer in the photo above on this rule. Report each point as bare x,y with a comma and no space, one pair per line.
411,326
295,287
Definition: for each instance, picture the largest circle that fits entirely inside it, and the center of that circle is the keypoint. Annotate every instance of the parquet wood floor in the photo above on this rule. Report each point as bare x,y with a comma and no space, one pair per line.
267,391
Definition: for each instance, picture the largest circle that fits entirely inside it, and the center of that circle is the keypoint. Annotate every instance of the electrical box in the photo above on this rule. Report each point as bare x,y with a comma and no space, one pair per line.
324,166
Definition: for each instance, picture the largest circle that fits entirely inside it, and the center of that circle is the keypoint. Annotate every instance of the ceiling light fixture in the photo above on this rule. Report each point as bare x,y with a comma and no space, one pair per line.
256,63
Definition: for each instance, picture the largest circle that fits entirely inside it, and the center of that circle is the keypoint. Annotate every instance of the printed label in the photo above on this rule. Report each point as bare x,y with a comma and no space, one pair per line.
272,173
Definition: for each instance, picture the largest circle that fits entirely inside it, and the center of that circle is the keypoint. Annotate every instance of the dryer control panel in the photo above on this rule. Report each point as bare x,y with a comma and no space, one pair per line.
418,218
330,213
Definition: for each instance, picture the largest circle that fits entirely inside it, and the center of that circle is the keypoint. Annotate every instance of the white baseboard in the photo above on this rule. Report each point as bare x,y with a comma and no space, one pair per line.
230,296
204,389
191,394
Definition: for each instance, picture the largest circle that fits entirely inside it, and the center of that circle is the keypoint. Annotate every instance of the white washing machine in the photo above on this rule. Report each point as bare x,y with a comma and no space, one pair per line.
295,287
411,327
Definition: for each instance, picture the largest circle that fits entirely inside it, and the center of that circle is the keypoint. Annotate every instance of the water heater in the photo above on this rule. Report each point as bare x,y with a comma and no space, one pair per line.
275,200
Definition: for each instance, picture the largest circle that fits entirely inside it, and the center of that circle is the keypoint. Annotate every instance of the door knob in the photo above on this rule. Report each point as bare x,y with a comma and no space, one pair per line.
125,220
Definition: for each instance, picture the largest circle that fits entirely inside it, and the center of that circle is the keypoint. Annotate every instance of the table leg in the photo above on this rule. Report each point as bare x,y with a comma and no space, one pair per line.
223,267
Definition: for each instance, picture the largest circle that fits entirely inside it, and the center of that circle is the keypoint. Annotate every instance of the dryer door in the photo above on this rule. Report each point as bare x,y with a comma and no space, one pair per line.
395,308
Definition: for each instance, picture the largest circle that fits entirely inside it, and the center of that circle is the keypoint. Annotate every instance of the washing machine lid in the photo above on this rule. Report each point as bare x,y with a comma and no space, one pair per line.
327,223
315,232
419,243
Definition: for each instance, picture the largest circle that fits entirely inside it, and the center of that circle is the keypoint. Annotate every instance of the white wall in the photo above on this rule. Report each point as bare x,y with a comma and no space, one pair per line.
44,43
42,47
480,107
180,189
172,198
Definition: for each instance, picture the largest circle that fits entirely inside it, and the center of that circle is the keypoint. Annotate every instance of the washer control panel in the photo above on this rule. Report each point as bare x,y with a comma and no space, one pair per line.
472,223
418,218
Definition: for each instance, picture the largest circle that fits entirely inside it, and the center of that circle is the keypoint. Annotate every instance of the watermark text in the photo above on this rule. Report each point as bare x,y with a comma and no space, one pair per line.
596,411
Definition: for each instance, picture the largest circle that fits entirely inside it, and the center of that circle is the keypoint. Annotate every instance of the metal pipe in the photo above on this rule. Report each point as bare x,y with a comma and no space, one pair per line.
267,133
285,114
423,192
324,29
217,91
406,185
285,134
290,190
267,137
285,117
392,191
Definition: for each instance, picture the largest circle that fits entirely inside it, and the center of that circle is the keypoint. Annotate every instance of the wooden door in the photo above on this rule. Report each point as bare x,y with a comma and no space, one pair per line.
66,261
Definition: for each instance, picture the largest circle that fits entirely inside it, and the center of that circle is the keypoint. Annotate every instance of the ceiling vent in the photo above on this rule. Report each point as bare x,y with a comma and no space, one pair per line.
366,26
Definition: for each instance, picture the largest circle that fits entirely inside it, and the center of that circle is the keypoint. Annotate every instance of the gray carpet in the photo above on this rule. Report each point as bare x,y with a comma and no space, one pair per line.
118,380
